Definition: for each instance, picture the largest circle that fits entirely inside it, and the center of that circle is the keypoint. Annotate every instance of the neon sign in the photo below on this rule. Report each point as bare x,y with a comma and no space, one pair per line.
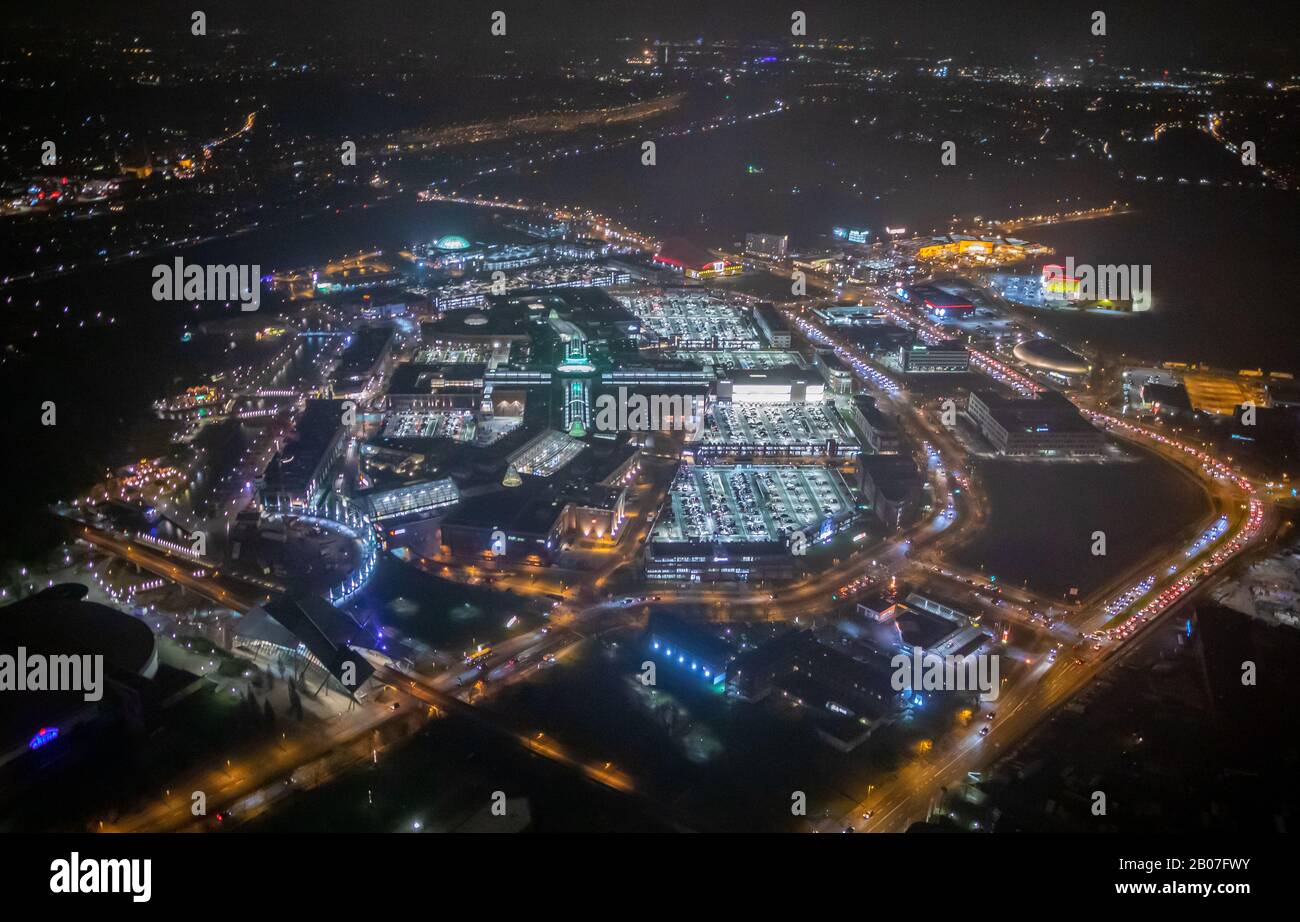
43,736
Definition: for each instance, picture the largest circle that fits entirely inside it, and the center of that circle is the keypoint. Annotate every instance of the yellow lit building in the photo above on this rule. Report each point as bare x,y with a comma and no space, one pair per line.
1221,394
959,245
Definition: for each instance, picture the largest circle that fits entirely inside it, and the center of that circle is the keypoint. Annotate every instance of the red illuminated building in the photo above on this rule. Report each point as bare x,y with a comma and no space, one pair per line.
694,261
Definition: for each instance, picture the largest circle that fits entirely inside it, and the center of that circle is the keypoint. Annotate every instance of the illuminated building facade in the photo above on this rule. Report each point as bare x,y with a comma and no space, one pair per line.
771,246
410,501
453,386
1045,425
577,407
298,475
773,324
978,249
694,262
880,433
674,644
773,385
949,357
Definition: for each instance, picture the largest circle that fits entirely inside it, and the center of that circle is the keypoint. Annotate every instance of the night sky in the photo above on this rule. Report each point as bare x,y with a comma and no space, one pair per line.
1150,31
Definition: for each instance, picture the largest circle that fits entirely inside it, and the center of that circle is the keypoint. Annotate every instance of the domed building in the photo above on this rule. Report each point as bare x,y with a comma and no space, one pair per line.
451,243
65,662
1049,355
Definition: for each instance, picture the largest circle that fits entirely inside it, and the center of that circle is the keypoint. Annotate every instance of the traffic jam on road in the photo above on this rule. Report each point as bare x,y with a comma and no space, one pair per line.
1230,546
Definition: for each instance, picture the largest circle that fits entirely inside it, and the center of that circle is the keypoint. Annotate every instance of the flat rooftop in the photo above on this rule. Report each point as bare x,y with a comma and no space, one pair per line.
359,358
743,359
698,641
751,503
937,297
1050,412
920,628
776,424
293,466
527,509
1220,394
410,378
508,318
693,321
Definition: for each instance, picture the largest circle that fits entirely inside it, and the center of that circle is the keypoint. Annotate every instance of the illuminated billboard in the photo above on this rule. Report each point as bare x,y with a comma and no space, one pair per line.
1056,282
851,234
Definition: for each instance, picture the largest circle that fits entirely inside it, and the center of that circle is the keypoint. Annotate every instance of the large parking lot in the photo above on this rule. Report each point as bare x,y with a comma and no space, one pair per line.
744,359
752,503
801,427
691,321
453,355
429,424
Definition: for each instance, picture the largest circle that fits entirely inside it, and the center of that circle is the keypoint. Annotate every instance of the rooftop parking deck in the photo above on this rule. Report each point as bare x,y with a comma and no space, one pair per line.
791,426
693,321
752,503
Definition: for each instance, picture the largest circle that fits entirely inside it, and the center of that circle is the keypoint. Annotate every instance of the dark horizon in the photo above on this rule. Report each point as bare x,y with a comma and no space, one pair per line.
1145,33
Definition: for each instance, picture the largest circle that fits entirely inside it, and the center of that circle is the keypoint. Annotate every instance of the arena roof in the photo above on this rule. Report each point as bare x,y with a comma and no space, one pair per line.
680,252
59,622
1050,355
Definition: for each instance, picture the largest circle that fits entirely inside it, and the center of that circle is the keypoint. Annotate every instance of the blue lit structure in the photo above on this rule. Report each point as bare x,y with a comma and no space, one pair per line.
684,646
44,736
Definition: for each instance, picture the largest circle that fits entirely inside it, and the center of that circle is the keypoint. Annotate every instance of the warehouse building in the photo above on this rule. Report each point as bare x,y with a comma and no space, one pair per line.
1044,425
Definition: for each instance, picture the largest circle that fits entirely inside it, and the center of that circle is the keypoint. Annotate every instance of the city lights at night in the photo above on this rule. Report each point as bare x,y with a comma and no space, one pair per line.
645,419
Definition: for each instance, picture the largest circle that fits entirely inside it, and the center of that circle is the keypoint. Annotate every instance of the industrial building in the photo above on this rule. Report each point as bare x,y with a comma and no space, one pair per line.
1045,425
880,433
848,697
768,246
893,487
693,261
687,648
773,385
437,387
773,325
947,357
